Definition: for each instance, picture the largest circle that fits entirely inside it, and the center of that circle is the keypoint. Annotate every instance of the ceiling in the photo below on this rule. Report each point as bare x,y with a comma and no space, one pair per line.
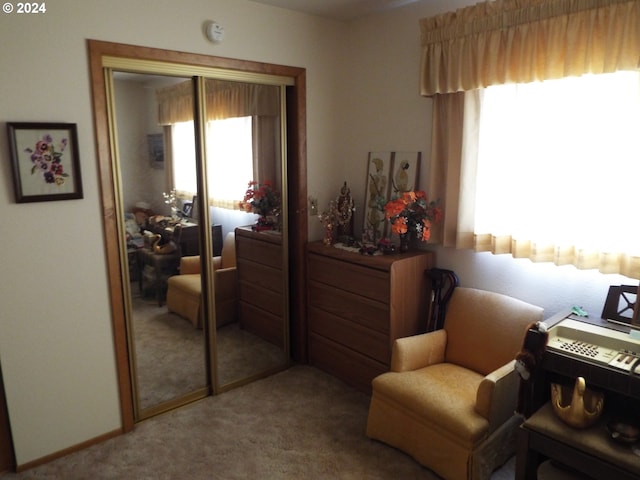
339,9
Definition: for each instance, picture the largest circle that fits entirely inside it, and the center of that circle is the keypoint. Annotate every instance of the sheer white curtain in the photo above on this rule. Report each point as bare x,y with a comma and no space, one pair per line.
557,170
230,160
501,42
229,157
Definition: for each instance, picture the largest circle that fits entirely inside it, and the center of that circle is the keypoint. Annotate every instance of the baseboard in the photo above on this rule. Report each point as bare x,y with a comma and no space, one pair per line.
67,451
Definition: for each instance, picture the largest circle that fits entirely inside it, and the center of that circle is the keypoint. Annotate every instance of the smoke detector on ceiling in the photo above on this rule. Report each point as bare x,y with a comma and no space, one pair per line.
214,32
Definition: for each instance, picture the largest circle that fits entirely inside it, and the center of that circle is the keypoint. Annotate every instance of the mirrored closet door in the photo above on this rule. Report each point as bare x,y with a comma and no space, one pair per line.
247,195
168,360
204,283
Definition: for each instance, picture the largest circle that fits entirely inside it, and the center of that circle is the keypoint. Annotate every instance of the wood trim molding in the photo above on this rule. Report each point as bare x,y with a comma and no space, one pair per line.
67,451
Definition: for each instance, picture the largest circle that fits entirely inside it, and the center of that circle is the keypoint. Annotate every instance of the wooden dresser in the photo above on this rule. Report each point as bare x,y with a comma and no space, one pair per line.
359,304
261,283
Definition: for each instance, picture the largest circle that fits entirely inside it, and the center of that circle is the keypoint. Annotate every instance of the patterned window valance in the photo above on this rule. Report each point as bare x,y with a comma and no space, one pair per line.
223,100
520,41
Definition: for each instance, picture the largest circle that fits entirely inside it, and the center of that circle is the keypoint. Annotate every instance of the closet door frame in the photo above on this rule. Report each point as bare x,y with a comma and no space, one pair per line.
297,184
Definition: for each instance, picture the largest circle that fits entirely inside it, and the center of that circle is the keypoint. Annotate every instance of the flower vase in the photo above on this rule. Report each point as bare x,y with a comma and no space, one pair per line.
263,223
404,242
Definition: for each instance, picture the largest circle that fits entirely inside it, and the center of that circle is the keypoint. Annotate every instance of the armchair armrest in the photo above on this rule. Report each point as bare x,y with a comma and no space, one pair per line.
226,283
418,351
190,264
497,395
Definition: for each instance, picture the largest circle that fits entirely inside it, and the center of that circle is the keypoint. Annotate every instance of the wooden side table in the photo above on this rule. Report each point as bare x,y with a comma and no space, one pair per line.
590,451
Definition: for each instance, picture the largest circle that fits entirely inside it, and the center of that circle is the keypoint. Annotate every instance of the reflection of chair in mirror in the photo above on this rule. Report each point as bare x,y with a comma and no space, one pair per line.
185,290
450,397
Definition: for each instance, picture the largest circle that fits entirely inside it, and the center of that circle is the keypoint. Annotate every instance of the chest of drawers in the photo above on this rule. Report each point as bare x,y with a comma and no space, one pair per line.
261,306
359,304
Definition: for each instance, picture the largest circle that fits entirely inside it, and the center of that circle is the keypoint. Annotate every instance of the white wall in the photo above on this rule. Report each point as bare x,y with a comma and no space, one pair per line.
56,346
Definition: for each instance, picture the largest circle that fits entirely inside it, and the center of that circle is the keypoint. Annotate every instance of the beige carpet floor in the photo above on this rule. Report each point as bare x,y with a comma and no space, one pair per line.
298,424
170,353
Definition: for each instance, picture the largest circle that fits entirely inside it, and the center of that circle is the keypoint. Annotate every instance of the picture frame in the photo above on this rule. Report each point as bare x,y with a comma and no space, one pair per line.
376,195
45,161
155,143
405,173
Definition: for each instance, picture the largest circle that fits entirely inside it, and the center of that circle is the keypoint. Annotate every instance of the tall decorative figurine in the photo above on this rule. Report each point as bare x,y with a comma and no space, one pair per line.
345,212
329,220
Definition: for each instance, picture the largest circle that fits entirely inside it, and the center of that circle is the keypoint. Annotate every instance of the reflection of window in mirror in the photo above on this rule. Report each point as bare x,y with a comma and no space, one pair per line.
183,158
229,156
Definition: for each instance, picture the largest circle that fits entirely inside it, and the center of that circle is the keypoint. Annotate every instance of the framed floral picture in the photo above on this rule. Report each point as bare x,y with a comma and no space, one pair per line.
155,142
405,173
376,195
45,161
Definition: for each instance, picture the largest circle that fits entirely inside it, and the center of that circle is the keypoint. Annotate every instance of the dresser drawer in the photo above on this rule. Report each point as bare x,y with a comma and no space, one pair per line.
262,252
259,275
352,367
358,309
263,324
360,339
368,282
264,300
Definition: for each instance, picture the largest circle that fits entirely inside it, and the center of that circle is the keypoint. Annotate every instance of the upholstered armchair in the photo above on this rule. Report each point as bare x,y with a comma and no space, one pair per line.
450,397
184,290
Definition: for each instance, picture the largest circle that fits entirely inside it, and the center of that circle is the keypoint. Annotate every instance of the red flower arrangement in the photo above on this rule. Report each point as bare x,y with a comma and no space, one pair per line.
261,198
412,212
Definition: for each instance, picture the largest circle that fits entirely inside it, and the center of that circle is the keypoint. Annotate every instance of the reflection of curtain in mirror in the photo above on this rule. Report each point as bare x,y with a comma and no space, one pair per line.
224,100
266,149
175,106
168,156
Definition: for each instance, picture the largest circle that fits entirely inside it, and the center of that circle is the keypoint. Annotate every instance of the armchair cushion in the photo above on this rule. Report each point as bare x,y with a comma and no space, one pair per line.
442,396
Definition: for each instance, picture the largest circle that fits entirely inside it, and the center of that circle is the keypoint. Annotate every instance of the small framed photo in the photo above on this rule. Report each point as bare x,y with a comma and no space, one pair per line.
156,150
45,161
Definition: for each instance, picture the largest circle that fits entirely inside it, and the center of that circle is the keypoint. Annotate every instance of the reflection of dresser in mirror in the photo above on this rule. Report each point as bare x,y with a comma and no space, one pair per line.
261,283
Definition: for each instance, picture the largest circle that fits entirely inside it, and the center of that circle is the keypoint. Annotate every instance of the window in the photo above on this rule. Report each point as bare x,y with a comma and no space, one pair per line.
229,156
558,168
